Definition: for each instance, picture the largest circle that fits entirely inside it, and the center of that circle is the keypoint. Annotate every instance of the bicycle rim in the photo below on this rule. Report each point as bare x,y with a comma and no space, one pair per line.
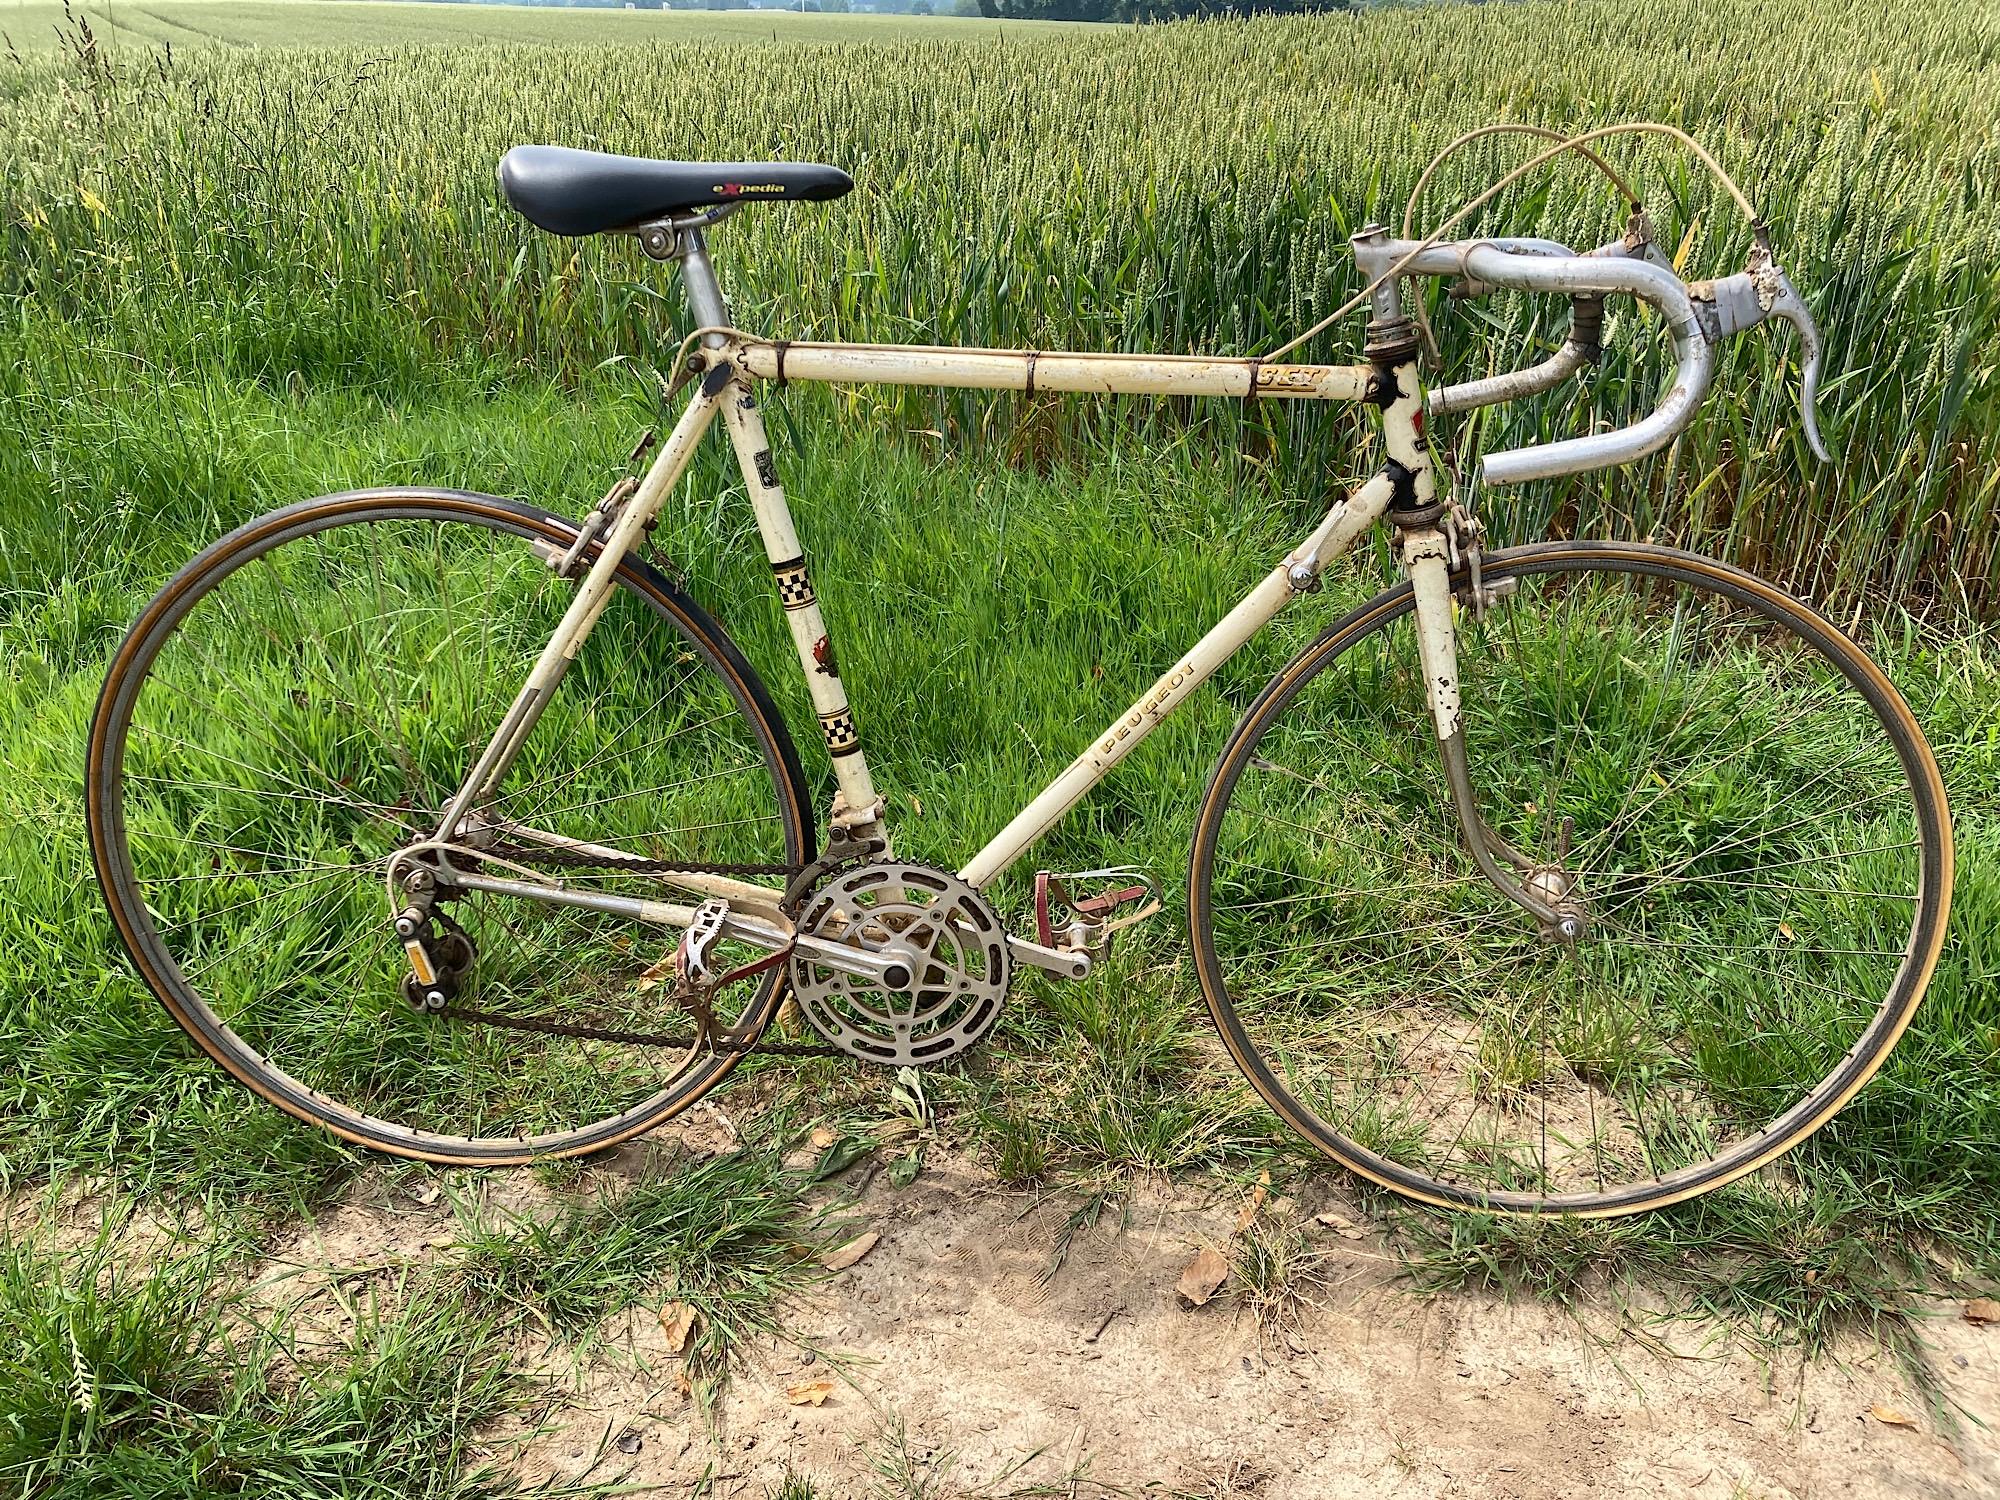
302,699
1757,835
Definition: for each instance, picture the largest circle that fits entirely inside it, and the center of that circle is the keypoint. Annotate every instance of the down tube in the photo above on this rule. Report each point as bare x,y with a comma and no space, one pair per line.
1343,524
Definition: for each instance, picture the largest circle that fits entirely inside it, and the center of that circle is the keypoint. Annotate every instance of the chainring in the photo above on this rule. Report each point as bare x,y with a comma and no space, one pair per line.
952,950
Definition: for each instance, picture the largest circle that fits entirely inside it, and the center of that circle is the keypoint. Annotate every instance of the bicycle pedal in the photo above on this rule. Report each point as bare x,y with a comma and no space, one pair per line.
1088,923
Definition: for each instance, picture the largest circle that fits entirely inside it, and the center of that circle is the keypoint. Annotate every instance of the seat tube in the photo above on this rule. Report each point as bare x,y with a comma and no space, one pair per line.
856,806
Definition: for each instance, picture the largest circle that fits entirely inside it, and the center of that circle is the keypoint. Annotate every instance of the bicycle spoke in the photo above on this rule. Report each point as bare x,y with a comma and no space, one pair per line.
301,722
1741,867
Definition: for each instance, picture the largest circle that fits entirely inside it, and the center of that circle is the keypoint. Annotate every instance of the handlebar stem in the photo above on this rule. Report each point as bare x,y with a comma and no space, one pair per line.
1572,275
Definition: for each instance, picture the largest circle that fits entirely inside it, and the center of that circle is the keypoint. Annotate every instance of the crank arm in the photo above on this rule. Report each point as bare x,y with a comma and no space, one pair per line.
1061,963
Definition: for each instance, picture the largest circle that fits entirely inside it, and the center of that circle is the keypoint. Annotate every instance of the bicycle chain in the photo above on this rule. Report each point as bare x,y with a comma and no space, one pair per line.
724,1043
580,859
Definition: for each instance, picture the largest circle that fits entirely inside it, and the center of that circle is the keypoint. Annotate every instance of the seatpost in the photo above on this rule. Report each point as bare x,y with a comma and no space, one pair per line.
703,294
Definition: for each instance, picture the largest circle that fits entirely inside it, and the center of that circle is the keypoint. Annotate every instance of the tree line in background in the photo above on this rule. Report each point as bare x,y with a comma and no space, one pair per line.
1142,10
1006,10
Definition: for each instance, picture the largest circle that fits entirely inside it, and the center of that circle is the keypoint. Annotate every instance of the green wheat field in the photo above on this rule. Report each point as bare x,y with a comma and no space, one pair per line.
253,251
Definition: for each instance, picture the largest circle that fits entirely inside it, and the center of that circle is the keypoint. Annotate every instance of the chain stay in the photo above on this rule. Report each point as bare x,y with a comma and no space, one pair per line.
801,879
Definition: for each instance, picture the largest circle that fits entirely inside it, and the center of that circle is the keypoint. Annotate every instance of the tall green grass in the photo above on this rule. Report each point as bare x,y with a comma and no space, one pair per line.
329,218
163,1381
230,280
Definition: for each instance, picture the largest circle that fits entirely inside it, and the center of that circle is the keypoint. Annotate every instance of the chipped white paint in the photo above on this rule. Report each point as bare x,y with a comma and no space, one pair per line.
1426,560
1033,370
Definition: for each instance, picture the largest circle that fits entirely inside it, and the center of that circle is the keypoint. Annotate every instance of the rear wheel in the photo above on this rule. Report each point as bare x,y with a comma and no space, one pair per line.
299,704
1733,795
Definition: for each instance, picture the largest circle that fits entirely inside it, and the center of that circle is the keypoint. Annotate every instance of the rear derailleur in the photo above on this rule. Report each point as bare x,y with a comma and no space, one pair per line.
440,952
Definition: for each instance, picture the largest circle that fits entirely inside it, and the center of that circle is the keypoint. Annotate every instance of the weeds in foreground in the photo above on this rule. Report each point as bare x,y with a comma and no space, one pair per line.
905,1467
1279,1273
730,1236
118,1378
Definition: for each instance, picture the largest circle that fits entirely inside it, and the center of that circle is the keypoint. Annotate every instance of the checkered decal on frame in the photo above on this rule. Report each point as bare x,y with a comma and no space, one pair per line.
841,736
795,590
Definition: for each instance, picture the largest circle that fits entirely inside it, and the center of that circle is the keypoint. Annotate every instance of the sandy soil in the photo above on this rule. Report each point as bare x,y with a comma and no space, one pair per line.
957,1354
970,1357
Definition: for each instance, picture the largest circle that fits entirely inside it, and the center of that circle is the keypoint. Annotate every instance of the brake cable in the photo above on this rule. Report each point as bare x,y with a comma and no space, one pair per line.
1419,313
1573,143
1625,189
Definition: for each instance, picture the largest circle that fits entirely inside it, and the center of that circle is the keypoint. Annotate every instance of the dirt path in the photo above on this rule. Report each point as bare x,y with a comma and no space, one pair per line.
969,1356
971,1367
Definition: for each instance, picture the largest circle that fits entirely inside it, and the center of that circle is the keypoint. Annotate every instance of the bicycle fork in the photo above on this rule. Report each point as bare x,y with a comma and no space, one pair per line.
1543,890
1546,891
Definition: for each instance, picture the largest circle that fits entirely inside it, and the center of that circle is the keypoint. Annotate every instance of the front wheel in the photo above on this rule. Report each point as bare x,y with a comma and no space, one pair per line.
299,705
1728,790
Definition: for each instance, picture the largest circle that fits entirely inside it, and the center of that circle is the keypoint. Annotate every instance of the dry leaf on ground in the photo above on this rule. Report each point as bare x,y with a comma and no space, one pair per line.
1254,1202
1341,1225
1894,1418
809,1392
677,1321
1981,1310
1202,1277
849,1253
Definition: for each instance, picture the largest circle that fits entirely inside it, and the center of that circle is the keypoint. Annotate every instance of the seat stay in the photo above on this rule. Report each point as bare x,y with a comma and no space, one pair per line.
593,594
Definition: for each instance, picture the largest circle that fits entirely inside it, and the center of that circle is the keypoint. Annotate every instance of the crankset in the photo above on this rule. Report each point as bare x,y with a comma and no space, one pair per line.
947,968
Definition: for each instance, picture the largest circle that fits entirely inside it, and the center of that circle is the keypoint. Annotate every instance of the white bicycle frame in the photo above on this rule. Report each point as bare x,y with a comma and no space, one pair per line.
728,362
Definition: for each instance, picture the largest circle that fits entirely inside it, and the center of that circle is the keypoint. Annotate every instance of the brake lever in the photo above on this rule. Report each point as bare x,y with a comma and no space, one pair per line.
1735,304
1790,306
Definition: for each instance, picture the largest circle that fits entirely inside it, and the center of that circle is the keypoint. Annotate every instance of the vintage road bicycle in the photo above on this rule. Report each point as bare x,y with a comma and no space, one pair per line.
1574,877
